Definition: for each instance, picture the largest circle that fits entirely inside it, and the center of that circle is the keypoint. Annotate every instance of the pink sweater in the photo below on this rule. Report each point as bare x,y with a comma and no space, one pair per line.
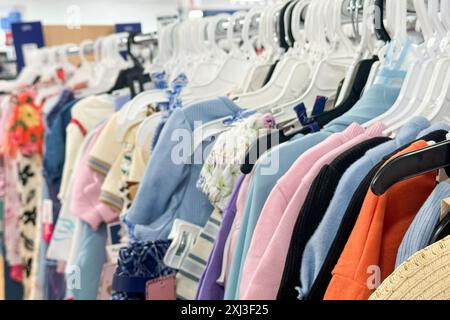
84,201
266,257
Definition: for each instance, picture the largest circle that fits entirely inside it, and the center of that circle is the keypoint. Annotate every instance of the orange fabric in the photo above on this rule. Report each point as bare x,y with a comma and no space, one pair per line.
377,234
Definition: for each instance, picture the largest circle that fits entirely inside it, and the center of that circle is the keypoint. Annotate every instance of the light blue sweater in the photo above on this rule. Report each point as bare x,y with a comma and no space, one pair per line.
168,189
421,229
377,100
316,250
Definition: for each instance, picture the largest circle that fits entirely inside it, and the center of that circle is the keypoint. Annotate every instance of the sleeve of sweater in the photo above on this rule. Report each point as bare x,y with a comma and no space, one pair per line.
165,172
74,139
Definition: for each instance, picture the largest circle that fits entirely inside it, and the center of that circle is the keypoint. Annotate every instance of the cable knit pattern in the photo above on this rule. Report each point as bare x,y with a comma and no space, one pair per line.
421,229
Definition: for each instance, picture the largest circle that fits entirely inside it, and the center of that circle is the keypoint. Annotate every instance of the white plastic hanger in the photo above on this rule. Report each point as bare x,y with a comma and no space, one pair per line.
289,80
149,124
327,74
30,72
226,80
430,77
317,87
262,63
408,90
361,51
434,105
206,65
213,128
85,70
445,14
131,111
110,65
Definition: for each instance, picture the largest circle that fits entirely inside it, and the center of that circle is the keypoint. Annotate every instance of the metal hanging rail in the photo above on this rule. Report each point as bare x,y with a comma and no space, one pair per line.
142,38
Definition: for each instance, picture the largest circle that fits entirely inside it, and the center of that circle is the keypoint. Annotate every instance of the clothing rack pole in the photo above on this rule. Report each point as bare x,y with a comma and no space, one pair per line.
141,38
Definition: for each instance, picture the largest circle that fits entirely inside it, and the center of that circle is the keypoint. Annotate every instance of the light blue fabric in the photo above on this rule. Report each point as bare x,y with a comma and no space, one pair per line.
434,127
89,263
168,189
421,229
316,250
376,101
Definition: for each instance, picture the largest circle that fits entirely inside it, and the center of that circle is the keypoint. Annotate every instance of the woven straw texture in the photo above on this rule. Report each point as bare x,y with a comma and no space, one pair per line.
424,276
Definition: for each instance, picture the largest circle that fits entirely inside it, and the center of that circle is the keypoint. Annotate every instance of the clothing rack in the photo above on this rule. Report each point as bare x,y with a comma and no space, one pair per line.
142,38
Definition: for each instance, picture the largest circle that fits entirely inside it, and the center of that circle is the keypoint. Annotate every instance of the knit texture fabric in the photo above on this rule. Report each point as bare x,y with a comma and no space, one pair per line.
421,229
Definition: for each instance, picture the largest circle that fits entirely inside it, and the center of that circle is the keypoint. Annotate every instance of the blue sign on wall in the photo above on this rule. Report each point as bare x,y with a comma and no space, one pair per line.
26,33
209,13
128,27
12,17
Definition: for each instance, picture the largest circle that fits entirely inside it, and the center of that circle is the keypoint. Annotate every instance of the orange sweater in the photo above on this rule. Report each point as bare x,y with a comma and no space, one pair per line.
370,253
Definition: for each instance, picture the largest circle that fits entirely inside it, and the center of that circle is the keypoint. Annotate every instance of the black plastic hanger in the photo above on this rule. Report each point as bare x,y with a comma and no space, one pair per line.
133,77
380,30
442,230
281,31
288,28
359,83
410,165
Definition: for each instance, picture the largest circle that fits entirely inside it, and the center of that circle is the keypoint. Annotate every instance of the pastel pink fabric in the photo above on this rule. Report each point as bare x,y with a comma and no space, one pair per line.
264,264
234,233
85,198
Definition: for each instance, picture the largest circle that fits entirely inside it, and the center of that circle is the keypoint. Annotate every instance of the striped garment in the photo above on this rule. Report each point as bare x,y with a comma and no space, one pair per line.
194,264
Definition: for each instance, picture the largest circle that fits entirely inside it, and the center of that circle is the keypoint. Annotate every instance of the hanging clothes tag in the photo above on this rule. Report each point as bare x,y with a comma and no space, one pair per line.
114,233
159,80
302,116
319,106
183,235
106,280
162,288
47,220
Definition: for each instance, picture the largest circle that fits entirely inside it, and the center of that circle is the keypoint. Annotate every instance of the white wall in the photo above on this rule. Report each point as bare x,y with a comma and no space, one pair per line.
95,11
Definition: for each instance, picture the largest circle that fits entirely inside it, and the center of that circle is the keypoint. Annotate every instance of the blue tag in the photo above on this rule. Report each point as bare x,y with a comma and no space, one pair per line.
159,80
319,106
176,87
302,116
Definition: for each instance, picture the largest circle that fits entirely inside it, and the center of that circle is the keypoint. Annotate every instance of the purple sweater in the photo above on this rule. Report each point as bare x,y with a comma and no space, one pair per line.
208,288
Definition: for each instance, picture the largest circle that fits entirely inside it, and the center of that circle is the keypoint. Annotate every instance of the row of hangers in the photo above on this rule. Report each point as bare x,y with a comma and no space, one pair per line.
312,66
105,73
309,41
427,89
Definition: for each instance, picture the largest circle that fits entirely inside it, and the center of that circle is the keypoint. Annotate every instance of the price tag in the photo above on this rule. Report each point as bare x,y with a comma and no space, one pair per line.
162,288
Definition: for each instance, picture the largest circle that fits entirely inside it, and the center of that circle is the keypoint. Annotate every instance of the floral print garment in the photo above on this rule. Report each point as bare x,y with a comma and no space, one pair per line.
222,166
29,193
25,132
24,143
